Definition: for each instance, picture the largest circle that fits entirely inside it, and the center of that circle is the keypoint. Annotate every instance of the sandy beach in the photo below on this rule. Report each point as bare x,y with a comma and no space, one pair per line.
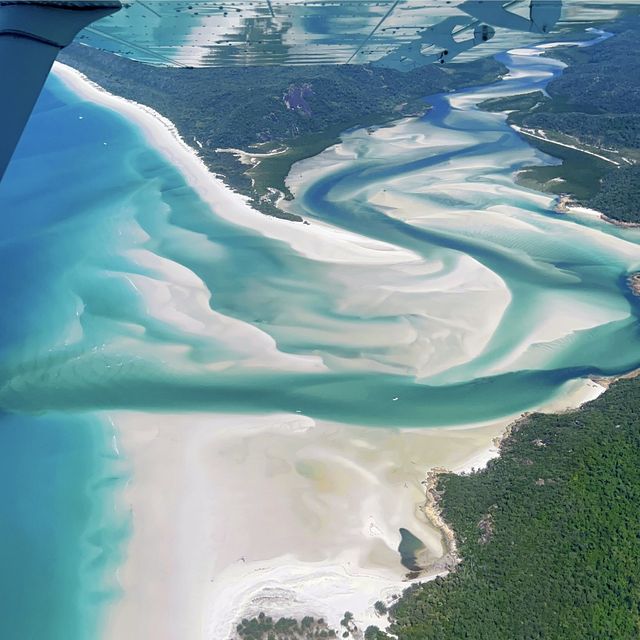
310,510
238,514
317,242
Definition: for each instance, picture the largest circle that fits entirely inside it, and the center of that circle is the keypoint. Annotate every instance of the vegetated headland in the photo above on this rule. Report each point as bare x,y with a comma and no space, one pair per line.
547,534
590,120
250,125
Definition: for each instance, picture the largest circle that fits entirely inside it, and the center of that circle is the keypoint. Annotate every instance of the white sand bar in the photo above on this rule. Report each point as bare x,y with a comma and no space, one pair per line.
238,514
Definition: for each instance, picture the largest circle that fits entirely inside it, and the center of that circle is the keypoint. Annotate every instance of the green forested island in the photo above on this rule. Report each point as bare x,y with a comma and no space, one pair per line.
594,105
261,109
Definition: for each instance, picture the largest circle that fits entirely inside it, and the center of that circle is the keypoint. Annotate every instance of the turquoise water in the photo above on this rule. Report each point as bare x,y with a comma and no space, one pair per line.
60,538
410,546
99,314
60,532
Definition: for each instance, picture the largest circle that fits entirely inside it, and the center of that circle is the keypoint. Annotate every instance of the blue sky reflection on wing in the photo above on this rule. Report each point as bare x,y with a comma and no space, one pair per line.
249,32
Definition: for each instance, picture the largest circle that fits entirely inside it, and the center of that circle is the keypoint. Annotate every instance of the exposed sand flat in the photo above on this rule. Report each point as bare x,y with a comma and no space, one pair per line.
500,205
502,218
190,473
429,314
557,320
444,318
178,298
237,514
418,318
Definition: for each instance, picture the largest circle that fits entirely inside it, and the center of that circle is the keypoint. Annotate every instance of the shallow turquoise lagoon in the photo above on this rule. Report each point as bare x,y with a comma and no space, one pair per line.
82,336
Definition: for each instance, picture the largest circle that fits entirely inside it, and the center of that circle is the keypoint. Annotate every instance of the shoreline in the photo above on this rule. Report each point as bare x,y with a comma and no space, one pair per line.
432,507
324,243
319,241
344,489
619,223
537,136
180,461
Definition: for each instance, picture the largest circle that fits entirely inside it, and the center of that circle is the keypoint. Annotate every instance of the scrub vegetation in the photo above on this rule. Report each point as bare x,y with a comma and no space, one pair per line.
548,533
264,627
